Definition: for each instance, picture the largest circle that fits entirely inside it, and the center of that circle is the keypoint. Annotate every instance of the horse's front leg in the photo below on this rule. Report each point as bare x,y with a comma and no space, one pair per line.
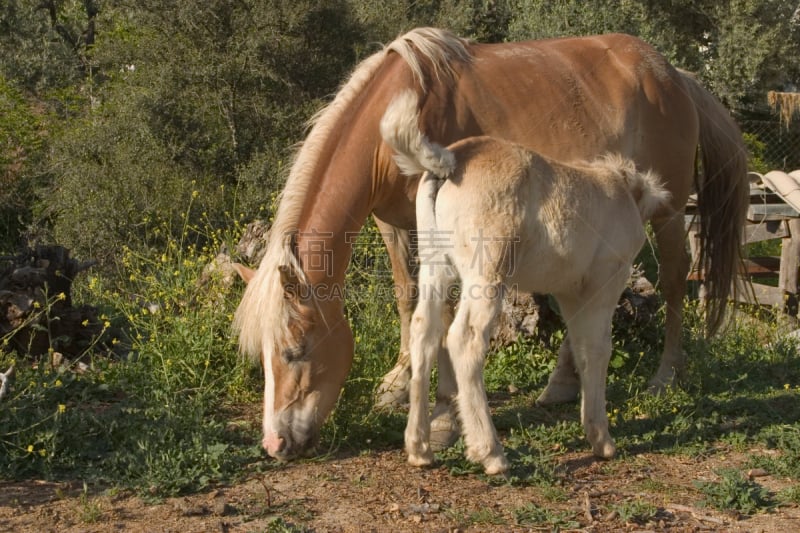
563,385
393,390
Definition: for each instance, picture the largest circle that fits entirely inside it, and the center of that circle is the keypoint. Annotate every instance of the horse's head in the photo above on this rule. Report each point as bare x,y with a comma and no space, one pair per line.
306,349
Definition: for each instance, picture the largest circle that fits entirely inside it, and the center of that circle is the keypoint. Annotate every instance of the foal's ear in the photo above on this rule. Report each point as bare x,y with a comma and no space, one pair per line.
244,272
289,281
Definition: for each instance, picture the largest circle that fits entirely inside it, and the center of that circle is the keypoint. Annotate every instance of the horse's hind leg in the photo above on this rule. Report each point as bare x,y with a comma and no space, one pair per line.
589,326
426,331
467,341
671,240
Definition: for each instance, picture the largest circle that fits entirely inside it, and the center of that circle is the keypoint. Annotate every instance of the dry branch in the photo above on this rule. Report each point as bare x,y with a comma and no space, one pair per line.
787,105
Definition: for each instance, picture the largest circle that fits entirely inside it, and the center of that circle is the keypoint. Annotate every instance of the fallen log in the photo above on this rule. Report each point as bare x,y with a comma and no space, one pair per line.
36,311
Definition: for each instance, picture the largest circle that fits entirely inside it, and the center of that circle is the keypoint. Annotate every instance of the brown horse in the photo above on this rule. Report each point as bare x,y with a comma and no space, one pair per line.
568,99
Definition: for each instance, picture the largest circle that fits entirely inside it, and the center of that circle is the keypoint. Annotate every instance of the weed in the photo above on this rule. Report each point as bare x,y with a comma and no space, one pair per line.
480,517
790,496
279,525
734,492
635,511
531,515
90,510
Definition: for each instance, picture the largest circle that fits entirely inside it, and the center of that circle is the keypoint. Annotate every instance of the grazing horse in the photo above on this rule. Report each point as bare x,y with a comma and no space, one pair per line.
495,214
568,99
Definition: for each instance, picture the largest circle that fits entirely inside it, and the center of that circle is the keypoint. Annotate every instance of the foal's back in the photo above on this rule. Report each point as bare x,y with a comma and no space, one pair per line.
514,216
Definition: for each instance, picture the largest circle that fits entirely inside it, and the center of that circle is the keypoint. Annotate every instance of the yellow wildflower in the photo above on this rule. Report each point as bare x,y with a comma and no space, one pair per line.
62,408
30,448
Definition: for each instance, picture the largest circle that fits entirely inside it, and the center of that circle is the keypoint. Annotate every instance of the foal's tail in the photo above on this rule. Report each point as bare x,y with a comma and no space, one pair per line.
722,199
645,188
414,152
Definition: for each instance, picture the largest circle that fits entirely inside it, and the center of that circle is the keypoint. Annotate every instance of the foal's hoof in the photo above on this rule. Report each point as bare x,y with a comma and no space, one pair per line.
420,459
604,450
444,431
494,466
555,393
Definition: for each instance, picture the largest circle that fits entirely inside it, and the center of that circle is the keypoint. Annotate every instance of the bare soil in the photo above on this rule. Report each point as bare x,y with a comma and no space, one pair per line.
378,491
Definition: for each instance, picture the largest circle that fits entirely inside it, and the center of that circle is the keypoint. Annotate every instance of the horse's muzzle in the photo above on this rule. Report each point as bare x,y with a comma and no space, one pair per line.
285,449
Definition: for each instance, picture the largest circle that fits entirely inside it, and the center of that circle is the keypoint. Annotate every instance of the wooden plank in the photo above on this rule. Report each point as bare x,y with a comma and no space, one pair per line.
761,266
764,231
764,295
759,212
754,231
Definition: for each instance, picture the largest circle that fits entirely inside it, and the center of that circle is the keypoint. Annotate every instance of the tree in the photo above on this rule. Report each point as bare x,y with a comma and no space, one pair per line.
196,103
739,48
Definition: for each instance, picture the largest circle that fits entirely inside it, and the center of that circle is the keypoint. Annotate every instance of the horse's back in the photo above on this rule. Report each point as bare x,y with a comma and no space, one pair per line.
575,98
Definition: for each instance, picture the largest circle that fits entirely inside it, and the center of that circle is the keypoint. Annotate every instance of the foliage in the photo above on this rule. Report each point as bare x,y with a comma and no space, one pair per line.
735,492
736,47
154,420
21,142
45,45
756,149
531,515
636,510
177,97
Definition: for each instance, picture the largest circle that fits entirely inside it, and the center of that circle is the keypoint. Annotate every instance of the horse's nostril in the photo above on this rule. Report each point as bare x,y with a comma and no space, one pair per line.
274,444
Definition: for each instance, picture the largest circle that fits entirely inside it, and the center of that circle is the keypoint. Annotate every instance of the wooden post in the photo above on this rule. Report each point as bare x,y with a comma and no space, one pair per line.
790,262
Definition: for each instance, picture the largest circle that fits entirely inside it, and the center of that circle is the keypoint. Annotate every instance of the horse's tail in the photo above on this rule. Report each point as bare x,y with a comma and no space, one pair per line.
414,152
722,200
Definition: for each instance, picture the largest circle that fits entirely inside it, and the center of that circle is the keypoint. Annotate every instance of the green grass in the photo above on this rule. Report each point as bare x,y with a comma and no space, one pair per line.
173,409
735,492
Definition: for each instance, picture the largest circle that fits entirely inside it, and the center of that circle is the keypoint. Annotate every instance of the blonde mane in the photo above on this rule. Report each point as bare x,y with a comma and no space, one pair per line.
263,315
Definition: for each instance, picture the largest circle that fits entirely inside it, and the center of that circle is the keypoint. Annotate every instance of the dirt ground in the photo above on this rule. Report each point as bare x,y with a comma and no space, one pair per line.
380,492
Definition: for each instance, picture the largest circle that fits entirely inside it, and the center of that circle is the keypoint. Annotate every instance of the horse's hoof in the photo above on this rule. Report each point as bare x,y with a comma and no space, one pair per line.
555,393
661,384
444,431
391,399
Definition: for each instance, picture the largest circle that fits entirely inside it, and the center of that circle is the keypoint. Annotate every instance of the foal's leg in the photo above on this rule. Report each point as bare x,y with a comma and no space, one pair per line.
589,326
427,329
671,240
444,423
467,341
393,390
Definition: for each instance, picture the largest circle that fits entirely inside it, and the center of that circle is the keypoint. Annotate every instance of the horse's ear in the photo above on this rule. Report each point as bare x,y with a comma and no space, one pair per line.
244,272
289,281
